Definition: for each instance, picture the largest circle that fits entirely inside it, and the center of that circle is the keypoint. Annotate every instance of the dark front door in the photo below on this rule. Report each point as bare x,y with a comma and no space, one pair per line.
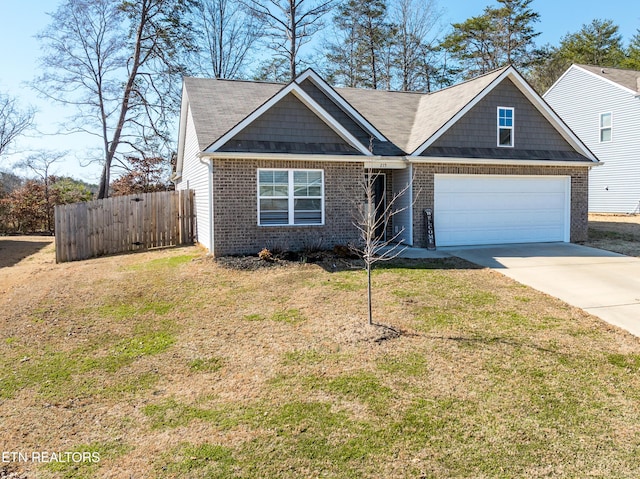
379,200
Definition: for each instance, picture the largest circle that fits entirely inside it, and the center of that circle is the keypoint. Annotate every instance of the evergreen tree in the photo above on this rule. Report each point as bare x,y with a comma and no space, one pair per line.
500,36
360,56
597,43
632,61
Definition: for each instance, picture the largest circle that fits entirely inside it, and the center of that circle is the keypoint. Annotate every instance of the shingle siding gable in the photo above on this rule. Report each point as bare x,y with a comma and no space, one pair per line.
477,130
288,127
335,111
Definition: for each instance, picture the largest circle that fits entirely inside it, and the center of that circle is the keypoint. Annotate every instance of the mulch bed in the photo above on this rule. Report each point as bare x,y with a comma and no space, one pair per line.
328,260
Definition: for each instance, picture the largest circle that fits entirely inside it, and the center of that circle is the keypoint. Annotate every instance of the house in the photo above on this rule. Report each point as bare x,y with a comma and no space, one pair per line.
602,106
279,165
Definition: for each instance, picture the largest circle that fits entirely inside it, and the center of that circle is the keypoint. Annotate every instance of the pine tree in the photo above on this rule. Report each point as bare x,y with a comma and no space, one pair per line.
359,58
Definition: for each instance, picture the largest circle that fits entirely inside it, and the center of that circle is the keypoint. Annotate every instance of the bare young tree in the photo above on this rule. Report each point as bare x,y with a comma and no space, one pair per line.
289,24
227,36
372,218
116,61
13,121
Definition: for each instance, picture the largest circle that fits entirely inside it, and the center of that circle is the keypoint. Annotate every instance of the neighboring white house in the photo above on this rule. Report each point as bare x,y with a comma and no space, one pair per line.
602,106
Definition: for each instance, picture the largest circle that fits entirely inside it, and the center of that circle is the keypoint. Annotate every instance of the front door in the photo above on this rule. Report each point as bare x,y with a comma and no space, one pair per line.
380,202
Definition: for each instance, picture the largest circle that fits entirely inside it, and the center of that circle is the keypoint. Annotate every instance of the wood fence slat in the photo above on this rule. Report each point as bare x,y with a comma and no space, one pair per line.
119,224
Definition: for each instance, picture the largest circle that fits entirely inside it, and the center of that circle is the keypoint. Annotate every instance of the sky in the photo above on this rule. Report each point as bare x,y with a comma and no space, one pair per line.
20,21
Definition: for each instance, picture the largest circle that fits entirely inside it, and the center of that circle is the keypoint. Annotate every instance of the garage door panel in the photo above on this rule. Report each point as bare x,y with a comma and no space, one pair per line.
472,210
487,201
499,219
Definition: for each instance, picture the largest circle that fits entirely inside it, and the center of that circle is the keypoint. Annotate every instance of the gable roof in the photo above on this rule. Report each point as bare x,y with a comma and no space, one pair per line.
628,79
294,89
409,121
218,105
442,109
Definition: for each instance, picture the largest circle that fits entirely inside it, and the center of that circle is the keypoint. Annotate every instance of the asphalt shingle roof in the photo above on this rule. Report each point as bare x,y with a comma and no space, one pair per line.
219,105
406,119
627,78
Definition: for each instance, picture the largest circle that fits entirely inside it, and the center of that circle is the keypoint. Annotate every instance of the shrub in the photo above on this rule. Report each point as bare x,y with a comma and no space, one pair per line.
265,255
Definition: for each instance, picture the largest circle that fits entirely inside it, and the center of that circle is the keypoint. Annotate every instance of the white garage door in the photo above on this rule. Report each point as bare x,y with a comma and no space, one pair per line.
488,209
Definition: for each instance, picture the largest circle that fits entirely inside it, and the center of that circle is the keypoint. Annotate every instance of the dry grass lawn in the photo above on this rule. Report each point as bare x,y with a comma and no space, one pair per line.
168,365
619,233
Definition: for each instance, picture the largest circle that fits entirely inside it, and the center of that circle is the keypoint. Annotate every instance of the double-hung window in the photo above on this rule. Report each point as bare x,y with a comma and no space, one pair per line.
290,197
605,127
505,126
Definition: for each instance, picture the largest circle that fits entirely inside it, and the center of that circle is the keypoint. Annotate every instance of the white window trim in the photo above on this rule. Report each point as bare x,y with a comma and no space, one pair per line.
512,127
601,128
291,197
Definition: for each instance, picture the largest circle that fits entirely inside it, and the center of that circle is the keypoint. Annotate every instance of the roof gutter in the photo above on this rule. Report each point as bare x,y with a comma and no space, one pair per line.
497,162
393,162
390,162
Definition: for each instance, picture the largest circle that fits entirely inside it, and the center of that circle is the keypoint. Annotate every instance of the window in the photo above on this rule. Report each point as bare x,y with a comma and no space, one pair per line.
605,127
290,197
505,126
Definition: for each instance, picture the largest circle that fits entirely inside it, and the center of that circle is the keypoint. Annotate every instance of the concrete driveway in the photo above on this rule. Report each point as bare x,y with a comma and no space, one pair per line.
602,283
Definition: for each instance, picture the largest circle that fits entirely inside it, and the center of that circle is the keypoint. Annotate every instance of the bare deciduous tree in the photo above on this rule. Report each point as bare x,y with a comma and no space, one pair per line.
227,36
372,218
13,121
289,24
116,61
417,30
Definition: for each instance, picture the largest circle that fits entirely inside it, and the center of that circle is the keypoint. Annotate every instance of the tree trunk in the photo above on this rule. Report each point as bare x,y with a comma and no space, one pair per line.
103,192
369,293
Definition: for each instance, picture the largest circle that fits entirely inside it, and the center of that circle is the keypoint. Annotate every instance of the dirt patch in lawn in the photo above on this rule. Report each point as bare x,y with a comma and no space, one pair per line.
22,258
617,233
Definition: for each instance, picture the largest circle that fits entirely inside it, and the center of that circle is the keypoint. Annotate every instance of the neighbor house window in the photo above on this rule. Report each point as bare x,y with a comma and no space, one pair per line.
605,127
505,126
290,197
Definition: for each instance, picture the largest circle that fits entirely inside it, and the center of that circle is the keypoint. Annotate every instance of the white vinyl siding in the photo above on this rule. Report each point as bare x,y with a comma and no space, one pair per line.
195,176
579,98
290,197
496,209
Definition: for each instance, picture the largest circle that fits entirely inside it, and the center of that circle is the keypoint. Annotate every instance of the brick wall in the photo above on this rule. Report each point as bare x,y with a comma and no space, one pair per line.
424,184
236,229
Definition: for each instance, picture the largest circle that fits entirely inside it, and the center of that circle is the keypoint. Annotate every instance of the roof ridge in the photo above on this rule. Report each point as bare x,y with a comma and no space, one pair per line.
608,68
235,80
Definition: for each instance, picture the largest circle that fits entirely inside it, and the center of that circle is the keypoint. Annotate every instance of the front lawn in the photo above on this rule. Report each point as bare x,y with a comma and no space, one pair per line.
167,364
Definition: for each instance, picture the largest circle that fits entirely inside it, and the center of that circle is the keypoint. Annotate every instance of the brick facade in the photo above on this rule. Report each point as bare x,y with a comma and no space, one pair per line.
235,205
423,185
236,229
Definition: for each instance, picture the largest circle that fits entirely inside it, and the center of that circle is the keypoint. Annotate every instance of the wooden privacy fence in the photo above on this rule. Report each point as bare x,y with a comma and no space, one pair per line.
124,223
